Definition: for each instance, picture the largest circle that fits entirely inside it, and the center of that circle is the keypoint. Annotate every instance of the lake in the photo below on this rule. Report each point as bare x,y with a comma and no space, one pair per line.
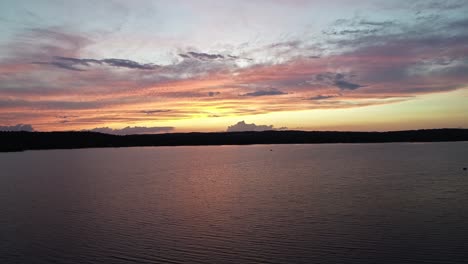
330,203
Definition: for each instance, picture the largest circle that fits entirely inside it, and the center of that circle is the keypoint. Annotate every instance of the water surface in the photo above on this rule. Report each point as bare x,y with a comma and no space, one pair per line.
333,203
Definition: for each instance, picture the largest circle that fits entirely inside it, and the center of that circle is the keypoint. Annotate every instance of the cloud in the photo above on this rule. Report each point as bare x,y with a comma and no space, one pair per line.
201,56
359,27
67,116
286,44
393,57
55,104
213,93
242,126
85,62
336,79
63,65
377,23
74,63
344,85
462,24
264,93
322,97
129,64
150,112
132,130
18,127
351,31
439,5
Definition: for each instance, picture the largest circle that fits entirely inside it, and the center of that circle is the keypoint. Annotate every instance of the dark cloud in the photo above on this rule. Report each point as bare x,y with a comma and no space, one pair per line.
63,119
63,65
84,62
70,63
351,31
344,85
213,93
185,56
150,112
129,64
242,126
18,127
340,80
359,27
265,93
67,116
377,23
201,56
187,94
132,130
322,97
329,77
66,66
74,63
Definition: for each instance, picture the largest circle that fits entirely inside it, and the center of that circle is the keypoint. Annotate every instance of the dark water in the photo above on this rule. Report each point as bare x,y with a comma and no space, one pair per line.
362,203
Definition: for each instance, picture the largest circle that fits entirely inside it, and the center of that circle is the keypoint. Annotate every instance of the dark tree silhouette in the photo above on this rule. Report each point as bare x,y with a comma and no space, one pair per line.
18,141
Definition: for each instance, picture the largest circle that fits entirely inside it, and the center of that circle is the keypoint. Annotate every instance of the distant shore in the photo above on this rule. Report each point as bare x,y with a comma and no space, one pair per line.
21,141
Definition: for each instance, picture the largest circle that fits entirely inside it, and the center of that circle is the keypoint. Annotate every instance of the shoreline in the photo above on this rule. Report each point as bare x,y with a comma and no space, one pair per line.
22,141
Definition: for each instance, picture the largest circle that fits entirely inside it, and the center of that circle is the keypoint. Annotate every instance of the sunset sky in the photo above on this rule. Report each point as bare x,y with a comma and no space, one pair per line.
180,66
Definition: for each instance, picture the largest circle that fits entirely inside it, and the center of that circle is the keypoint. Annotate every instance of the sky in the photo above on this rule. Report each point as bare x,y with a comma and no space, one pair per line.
178,66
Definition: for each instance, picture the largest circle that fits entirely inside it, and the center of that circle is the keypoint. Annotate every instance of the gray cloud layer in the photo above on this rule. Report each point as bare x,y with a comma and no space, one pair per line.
344,85
322,97
242,126
201,56
265,93
74,63
150,112
18,127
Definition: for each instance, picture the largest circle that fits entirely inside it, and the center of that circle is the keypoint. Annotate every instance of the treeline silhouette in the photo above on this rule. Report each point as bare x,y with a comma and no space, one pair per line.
19,141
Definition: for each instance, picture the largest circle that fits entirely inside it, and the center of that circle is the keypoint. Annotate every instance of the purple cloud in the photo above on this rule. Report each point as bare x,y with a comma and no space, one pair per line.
242,126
